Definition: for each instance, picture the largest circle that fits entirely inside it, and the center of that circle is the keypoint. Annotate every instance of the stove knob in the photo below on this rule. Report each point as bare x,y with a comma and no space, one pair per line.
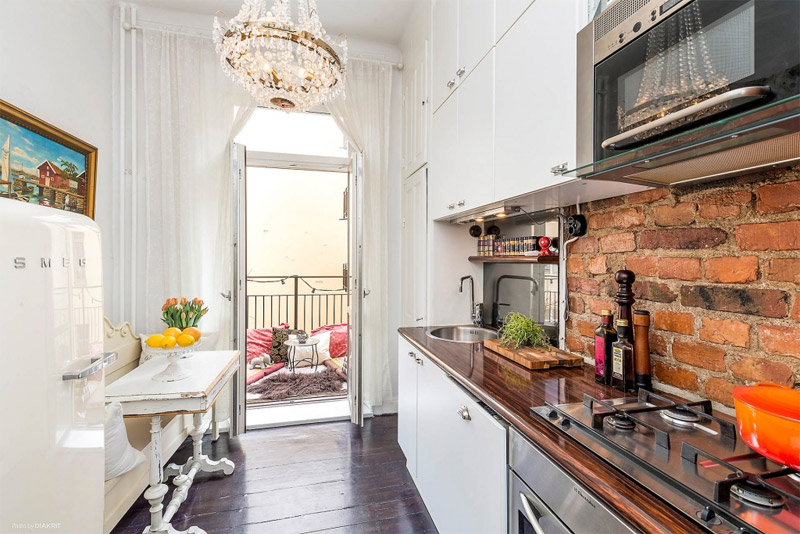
552,415
741,530
565,424
707,514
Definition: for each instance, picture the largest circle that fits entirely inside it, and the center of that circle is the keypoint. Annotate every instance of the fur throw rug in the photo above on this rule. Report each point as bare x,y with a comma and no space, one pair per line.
287,385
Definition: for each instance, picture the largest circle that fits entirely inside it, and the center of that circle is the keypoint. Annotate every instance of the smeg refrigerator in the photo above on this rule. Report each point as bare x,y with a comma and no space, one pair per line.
51,376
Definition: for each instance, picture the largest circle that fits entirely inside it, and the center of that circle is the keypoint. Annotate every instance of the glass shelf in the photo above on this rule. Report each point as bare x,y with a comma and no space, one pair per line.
763,123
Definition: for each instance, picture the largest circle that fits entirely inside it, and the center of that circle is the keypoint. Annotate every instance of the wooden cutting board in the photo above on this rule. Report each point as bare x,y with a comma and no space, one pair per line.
535,358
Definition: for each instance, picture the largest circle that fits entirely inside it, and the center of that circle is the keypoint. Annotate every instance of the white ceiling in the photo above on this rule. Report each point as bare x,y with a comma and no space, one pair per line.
381,21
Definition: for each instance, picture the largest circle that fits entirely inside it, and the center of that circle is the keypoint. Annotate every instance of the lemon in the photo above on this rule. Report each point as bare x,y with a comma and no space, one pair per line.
168,342
192,331
172,331
184,340
154,341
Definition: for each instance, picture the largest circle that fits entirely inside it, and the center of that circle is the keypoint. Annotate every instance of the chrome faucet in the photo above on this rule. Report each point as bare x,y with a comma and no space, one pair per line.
496,320
475,310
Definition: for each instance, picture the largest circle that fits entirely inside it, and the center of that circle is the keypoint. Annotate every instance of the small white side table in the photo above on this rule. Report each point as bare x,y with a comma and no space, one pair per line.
142,396
293,345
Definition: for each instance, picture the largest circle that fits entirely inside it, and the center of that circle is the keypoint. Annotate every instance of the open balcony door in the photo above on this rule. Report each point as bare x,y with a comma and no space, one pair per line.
237,294
357,292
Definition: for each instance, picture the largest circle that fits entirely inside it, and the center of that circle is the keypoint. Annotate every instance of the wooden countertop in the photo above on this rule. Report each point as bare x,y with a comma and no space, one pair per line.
512,390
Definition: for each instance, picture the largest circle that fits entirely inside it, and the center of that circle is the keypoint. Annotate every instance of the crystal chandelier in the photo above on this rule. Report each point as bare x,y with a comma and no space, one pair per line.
281,64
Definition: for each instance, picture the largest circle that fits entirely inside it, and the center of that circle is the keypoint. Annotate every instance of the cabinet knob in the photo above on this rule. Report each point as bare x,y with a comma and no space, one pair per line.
419,361
451,83
462,202
464,413
412,355
451,206
460,72
419,319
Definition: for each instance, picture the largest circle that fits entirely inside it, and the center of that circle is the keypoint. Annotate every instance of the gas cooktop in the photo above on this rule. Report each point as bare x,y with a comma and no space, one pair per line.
688,456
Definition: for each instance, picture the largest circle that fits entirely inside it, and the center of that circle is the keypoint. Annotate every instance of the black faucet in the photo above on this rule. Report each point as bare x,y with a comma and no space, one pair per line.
496,322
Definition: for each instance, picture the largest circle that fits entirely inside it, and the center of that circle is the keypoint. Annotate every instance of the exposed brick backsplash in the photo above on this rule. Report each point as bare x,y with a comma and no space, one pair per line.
718,267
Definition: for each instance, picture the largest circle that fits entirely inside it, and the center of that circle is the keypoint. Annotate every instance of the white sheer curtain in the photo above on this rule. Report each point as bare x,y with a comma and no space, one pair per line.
189,113
363,114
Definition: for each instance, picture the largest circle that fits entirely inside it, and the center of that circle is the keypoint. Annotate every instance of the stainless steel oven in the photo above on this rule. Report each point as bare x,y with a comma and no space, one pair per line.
651,68
543,499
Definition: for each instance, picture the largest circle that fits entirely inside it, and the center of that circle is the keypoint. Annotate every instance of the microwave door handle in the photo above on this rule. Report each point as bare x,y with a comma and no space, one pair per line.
533,517
625,139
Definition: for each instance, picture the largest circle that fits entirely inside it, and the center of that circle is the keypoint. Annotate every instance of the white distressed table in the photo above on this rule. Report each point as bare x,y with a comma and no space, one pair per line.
141,396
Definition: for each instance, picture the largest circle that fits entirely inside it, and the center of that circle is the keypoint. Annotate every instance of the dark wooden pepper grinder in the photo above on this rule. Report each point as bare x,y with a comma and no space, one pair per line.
641,350
625,295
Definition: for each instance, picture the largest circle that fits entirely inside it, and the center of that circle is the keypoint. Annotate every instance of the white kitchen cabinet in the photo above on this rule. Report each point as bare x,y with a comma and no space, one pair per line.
461,456
462,146
415,110
407,403
535,98
462,33
414,252
444,45
506,14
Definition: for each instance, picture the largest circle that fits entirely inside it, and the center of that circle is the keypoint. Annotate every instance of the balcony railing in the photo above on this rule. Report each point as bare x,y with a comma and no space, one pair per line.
301,305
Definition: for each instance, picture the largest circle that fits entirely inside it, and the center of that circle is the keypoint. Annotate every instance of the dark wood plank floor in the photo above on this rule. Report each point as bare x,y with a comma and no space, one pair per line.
332,478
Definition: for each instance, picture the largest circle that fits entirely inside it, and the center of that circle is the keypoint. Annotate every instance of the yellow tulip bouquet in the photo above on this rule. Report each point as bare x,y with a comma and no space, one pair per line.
183,314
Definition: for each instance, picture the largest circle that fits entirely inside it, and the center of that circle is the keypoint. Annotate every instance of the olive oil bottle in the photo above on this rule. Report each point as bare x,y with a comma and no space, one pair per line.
622,359
604,336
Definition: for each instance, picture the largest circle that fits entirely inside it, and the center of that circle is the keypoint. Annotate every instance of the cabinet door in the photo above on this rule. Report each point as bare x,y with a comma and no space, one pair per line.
535,104
443,176
475,33
407,403
414,249
444,44
461,462
419,149
475,160
506,14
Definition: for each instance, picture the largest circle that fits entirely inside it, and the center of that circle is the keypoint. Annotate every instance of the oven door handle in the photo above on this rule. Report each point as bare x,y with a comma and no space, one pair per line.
746,94
533,517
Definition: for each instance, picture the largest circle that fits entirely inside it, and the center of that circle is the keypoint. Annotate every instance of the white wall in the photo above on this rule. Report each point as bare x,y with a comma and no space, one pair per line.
56,64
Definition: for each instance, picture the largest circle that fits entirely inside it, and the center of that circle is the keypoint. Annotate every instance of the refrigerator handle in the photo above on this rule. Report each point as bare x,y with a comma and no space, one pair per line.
98,363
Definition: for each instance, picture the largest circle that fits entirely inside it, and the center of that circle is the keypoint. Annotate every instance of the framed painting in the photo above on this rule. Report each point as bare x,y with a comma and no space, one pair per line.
44,165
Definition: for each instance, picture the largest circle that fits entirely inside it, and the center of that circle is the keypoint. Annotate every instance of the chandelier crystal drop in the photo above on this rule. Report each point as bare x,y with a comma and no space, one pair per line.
283,65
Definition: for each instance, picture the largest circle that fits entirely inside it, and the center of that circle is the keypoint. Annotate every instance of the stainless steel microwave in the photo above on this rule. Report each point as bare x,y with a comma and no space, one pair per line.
651,69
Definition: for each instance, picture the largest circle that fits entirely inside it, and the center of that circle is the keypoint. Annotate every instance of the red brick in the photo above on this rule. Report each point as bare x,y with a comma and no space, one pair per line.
574,344
724,205
784,270
777,339
763,302
676,376
575,265
679,268
596,306
678,215
598,265
648,196
699,355
796,308
682,238
732,270
605,203
618,243
763,370
584,245
725,332
681,323
589,286
642,265
720,390
778,198
622,218
576,304
653,291
586,328
658,343
769,236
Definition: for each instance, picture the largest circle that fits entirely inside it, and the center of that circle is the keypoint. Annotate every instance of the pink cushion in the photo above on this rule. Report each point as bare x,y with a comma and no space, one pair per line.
259,341
338,346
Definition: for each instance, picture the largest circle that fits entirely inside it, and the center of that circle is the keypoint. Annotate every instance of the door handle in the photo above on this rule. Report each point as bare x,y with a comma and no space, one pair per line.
96,365
412,355
461,202
463,411
418,360
533,518
451,206
226,295
367,292
460,72
451,83
418,319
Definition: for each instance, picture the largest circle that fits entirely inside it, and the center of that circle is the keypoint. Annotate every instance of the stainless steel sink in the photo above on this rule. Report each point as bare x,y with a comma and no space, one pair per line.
462,334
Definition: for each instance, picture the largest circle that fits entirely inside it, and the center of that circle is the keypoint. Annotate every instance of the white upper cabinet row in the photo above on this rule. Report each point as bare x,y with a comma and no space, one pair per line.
511,117
415,108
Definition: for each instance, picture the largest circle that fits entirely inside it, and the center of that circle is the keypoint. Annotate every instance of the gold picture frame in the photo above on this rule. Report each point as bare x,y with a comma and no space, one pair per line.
42,164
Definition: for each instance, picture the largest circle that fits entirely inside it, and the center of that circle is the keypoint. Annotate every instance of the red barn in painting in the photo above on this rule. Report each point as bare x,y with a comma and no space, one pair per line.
49,174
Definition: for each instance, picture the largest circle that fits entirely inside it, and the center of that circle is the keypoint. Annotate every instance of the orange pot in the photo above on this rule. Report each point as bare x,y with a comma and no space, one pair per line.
768,416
